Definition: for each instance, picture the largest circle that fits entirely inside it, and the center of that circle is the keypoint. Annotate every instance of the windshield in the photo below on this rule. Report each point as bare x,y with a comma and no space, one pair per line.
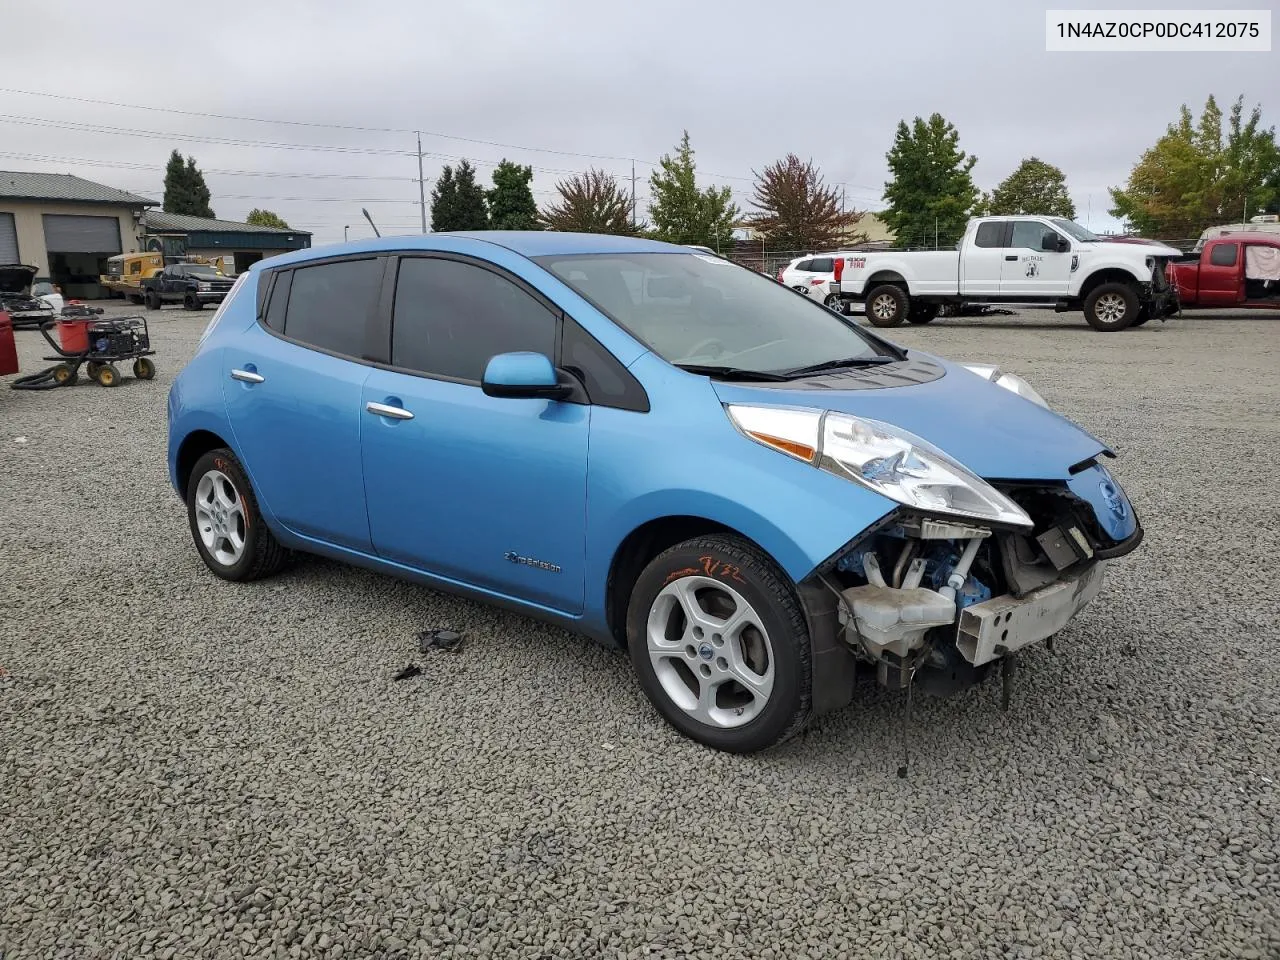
204,273
1074,230
42,289
696,310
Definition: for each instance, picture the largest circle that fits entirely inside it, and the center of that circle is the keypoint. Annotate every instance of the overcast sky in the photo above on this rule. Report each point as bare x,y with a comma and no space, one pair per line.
750,80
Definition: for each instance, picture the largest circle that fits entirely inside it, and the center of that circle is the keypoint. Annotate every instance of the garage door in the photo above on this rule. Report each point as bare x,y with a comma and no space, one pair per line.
8,239
63,234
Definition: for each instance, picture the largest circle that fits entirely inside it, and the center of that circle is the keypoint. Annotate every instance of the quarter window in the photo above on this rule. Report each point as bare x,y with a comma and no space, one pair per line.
990,234
329,305
452,317
821,265
803,266
1224,255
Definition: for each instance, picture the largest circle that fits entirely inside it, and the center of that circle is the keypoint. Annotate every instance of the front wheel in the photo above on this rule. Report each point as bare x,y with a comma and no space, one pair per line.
720,644
887,305
1111,307
152,301
225,521
144,369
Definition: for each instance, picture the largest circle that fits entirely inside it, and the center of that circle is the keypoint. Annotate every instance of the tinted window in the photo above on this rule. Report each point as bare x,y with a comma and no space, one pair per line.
329,305
1223,255
1027,233
803,265
279,300
990,234
606,380
821,265
452,317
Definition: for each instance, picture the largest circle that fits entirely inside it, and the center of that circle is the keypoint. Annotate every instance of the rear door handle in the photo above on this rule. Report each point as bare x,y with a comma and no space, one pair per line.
1012,257
386,410
248,376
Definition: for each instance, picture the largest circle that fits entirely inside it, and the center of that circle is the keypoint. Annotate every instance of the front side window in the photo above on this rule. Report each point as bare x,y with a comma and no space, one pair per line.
697,310
329,305
452,317
1029,233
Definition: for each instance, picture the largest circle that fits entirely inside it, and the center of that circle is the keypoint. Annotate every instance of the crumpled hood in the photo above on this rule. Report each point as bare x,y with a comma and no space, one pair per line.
992,431
16,278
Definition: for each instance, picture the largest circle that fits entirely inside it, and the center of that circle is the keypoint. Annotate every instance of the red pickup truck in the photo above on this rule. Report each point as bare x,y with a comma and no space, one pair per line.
1234,270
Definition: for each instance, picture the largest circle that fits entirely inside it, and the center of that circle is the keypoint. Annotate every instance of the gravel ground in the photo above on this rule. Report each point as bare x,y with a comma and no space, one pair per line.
194,769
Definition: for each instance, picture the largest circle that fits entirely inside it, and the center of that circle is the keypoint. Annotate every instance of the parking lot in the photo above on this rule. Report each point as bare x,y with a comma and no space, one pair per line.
194,768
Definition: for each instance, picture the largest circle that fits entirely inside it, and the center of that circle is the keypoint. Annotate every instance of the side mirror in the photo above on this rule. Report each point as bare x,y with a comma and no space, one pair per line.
1052,242
523,375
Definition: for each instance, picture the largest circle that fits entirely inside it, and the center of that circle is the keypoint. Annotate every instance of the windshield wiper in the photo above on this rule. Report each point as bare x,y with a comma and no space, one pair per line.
874,361
732,373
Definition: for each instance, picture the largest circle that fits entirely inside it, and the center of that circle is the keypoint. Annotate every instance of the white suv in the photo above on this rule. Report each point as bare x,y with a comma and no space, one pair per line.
814,276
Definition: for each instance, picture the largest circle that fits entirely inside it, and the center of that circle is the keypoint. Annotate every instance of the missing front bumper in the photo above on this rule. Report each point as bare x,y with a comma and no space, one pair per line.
1001,625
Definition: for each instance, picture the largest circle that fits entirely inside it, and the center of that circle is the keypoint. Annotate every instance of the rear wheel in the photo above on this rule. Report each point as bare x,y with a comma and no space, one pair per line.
108,375
887,305
720,644
836,303
1111,306
152,300
225,522
91,369
144,369
65,375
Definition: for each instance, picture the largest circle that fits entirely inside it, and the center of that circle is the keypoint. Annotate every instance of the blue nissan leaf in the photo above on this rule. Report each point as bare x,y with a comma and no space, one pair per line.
749,493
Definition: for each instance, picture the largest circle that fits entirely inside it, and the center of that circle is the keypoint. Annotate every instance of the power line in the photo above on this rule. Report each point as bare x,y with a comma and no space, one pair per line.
130,165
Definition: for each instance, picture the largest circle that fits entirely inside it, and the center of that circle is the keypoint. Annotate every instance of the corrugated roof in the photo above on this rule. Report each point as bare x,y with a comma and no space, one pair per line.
159,220
16,185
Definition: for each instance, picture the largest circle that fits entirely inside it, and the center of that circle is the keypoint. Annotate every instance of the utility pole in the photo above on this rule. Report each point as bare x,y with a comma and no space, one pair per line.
633,196
422,190
935,233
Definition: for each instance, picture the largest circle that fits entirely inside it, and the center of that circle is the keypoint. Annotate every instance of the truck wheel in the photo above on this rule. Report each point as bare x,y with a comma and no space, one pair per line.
135,299
152,301
1111,306
887,305
922,313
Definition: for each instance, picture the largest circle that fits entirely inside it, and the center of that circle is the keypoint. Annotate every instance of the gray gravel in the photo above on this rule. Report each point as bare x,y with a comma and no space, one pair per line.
194,769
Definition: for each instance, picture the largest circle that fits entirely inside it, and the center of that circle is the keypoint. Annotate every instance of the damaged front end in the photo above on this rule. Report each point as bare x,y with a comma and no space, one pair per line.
936,602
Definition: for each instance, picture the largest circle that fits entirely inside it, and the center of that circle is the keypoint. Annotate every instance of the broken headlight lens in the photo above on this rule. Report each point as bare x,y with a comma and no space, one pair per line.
1010,381
892,462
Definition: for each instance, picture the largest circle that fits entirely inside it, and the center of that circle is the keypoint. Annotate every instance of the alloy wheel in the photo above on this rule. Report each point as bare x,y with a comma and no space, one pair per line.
220,517
1110,308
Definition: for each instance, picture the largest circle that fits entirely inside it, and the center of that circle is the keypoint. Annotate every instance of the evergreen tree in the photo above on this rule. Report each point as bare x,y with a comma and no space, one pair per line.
185,191
444,202
684,214
931,195
511,205
457,201
1035,188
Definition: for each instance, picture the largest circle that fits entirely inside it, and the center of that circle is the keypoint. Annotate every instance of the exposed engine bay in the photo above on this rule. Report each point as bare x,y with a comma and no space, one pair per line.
936,602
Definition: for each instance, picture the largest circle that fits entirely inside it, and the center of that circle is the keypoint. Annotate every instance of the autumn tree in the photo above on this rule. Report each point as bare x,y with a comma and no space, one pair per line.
681,212
265,218
931,195
511,205
798,211
185,191
1035,188
590,202
1195,177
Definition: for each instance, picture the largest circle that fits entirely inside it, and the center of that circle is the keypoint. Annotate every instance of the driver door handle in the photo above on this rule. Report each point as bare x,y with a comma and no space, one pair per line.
248,376
386,410
1011,256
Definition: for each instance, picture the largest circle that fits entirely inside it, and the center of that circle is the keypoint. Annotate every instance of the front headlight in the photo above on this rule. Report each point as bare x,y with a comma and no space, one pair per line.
1010,381
892,462
204,287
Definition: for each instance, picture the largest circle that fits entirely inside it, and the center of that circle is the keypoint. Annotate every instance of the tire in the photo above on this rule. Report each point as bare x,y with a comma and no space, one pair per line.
887,305
109,375
152,300
801,288
189,302
135,298
1111,307
922,313
144,369
91,369
835,302
693,673
66,375
225,510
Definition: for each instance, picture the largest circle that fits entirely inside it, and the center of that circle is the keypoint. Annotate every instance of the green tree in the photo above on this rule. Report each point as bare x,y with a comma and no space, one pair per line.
681,212
457,201
931,194
511,205
590,202
185,191
798,211
265,218
1195,177
1035,187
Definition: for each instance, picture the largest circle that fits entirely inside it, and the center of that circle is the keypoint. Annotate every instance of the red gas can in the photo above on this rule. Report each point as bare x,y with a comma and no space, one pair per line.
8,349
74,335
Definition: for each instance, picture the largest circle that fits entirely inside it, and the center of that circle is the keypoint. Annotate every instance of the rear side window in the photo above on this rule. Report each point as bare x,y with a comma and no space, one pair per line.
821,265
274,317
329,305
1224,255
803,265
452,317
990,234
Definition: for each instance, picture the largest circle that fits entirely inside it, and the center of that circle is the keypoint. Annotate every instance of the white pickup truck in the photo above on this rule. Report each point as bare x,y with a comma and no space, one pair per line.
1034,260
